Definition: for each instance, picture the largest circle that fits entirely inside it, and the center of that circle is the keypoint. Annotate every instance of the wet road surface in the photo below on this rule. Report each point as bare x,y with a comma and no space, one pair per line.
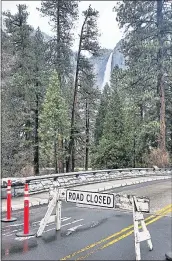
93,234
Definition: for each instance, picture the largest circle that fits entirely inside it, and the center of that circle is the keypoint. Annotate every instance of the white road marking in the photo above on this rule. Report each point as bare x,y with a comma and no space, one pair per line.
18,230
78,220
65,219
15,225
74,228
22,238
7,235
65,224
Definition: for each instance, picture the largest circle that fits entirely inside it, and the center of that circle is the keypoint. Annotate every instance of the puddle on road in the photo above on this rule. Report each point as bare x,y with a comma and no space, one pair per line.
50,238
13,247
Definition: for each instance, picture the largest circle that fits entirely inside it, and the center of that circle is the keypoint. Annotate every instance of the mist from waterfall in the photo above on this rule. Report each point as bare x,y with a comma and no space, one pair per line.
107,74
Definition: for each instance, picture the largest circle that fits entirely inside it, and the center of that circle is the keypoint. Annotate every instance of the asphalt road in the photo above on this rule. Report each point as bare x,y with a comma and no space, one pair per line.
94,234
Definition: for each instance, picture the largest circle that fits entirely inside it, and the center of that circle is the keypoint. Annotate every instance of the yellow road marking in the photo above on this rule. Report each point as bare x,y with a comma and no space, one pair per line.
159,212
147,223
122,237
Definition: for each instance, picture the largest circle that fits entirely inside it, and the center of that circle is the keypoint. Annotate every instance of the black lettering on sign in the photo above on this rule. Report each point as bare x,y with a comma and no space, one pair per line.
81,197
88,197
100,199
91,196
108,200
95,199
104,200
70,195
77,197
74,196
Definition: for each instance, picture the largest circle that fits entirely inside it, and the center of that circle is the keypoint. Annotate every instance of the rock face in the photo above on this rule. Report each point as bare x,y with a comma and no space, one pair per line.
105,63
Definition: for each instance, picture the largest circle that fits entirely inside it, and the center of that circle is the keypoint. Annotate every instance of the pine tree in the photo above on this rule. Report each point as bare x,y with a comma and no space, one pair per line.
18,92
53,122
88,95
62,15
100,118
145,49
88,42
111,151
39,75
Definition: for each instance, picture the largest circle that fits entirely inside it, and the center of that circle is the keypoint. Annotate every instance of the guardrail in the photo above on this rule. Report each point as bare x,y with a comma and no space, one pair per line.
38,184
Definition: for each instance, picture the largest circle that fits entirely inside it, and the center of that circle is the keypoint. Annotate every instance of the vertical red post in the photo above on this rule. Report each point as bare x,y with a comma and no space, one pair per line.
9,200
8,214
26,209
26,232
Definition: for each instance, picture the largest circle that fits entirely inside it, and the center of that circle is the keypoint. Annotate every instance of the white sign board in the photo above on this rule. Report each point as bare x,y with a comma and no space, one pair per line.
90,198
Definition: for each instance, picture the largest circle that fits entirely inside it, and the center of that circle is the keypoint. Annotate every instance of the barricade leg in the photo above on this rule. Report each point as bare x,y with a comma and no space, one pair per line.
8,217
58,215
149,242
47,216
143,235
26,232
136,240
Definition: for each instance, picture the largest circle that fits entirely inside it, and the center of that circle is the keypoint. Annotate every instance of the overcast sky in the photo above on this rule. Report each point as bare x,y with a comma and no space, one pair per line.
110,33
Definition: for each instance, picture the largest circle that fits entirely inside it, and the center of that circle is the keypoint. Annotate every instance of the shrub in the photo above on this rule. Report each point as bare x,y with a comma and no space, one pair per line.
158,158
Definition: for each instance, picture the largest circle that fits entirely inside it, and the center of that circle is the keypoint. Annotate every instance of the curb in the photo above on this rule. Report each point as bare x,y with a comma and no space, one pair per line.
132,183
106,188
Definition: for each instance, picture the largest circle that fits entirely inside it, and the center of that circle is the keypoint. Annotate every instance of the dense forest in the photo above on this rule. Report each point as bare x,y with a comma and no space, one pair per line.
53,113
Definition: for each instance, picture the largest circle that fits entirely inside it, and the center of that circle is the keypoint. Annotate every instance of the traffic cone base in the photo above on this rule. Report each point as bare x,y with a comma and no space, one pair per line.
8,220
21,234
9,208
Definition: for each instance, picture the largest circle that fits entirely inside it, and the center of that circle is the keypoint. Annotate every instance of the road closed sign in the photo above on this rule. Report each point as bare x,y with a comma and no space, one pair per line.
90,198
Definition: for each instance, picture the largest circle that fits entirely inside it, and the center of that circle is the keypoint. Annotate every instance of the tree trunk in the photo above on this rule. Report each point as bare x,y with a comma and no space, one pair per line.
141,112
66,158
171,137
160,80
60,148
162,143
55,154
87,135
134,152
71,156
63,158
58,62
36,140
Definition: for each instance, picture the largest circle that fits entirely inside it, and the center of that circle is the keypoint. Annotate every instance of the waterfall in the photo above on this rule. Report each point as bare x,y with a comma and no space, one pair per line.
107,74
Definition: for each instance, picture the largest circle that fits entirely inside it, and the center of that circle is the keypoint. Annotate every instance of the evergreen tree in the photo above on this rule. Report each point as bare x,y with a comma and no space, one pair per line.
40,72
17,95
88,42
100,118
53,122
62,15
88,95
111,151
145,48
